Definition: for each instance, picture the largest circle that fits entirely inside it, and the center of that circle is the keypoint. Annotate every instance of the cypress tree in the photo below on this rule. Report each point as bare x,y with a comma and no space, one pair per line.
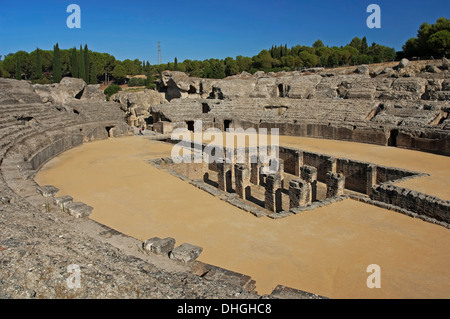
93,77
81,65
74,63
175,64
18,69
57,67
86,64
37,66
364,46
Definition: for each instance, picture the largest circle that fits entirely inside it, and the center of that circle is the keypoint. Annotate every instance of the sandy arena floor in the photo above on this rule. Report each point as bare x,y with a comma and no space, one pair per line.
325,251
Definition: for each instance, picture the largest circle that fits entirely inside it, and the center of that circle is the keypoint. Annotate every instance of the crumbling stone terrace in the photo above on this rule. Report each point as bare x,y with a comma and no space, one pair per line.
404,106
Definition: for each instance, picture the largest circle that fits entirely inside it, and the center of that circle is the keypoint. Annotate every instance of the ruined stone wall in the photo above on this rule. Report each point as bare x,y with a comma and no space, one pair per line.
355,172
413,201
323,163
385,174
54,149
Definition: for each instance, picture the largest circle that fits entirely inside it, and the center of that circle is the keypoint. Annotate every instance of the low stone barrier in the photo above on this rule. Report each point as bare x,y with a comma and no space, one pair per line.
413,201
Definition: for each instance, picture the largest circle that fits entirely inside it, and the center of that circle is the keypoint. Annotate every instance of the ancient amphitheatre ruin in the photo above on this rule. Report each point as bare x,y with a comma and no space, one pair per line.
363,179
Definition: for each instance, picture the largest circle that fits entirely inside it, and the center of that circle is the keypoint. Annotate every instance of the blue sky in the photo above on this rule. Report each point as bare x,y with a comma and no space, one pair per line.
200,29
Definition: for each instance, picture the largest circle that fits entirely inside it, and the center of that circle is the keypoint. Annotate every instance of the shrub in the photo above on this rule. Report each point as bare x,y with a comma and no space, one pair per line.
111,90
41,81
136,82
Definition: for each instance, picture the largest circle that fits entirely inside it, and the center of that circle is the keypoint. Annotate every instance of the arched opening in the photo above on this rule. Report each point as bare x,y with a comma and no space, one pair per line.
192,90
109,130
227,124
205,108
392,141
190,125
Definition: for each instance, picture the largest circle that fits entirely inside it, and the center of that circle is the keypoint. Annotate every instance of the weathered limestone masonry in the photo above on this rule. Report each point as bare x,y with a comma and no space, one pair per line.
242,178
299,193
273,201
404,107
340,176
255,170
309,174
413,201
224,175
335,184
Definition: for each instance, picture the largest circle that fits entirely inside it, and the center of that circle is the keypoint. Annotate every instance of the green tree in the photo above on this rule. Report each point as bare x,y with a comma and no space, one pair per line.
57,66
131,67
318,44
37,70
244,63
18,69
411,48
217,69
264,60
74,63
356,43
432,39
150,81
93,76
440,42
119,73
175,64
26,63
86,64
81,65
364,46
231,67
333,60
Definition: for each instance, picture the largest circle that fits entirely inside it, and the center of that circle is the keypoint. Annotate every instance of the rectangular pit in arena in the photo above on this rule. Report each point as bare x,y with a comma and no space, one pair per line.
294,181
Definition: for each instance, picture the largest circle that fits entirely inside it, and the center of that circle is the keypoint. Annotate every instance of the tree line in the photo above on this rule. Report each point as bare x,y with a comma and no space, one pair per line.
42,66
433,40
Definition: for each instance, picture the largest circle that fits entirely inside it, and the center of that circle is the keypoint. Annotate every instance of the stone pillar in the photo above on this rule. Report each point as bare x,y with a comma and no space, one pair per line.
255,165
273,194
309,174
224,175
335,184
298,162
331,164
242,180
371,178
205,167
278,165
263,169
299,193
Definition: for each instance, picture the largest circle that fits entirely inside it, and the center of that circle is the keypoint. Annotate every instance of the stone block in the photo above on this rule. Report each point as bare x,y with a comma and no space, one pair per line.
299,193
63,201
242,180
224,175
335,184
273,193
79,210
186,253
47,191
159,246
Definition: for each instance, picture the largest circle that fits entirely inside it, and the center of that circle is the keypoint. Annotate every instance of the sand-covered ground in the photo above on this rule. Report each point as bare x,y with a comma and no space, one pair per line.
325,251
